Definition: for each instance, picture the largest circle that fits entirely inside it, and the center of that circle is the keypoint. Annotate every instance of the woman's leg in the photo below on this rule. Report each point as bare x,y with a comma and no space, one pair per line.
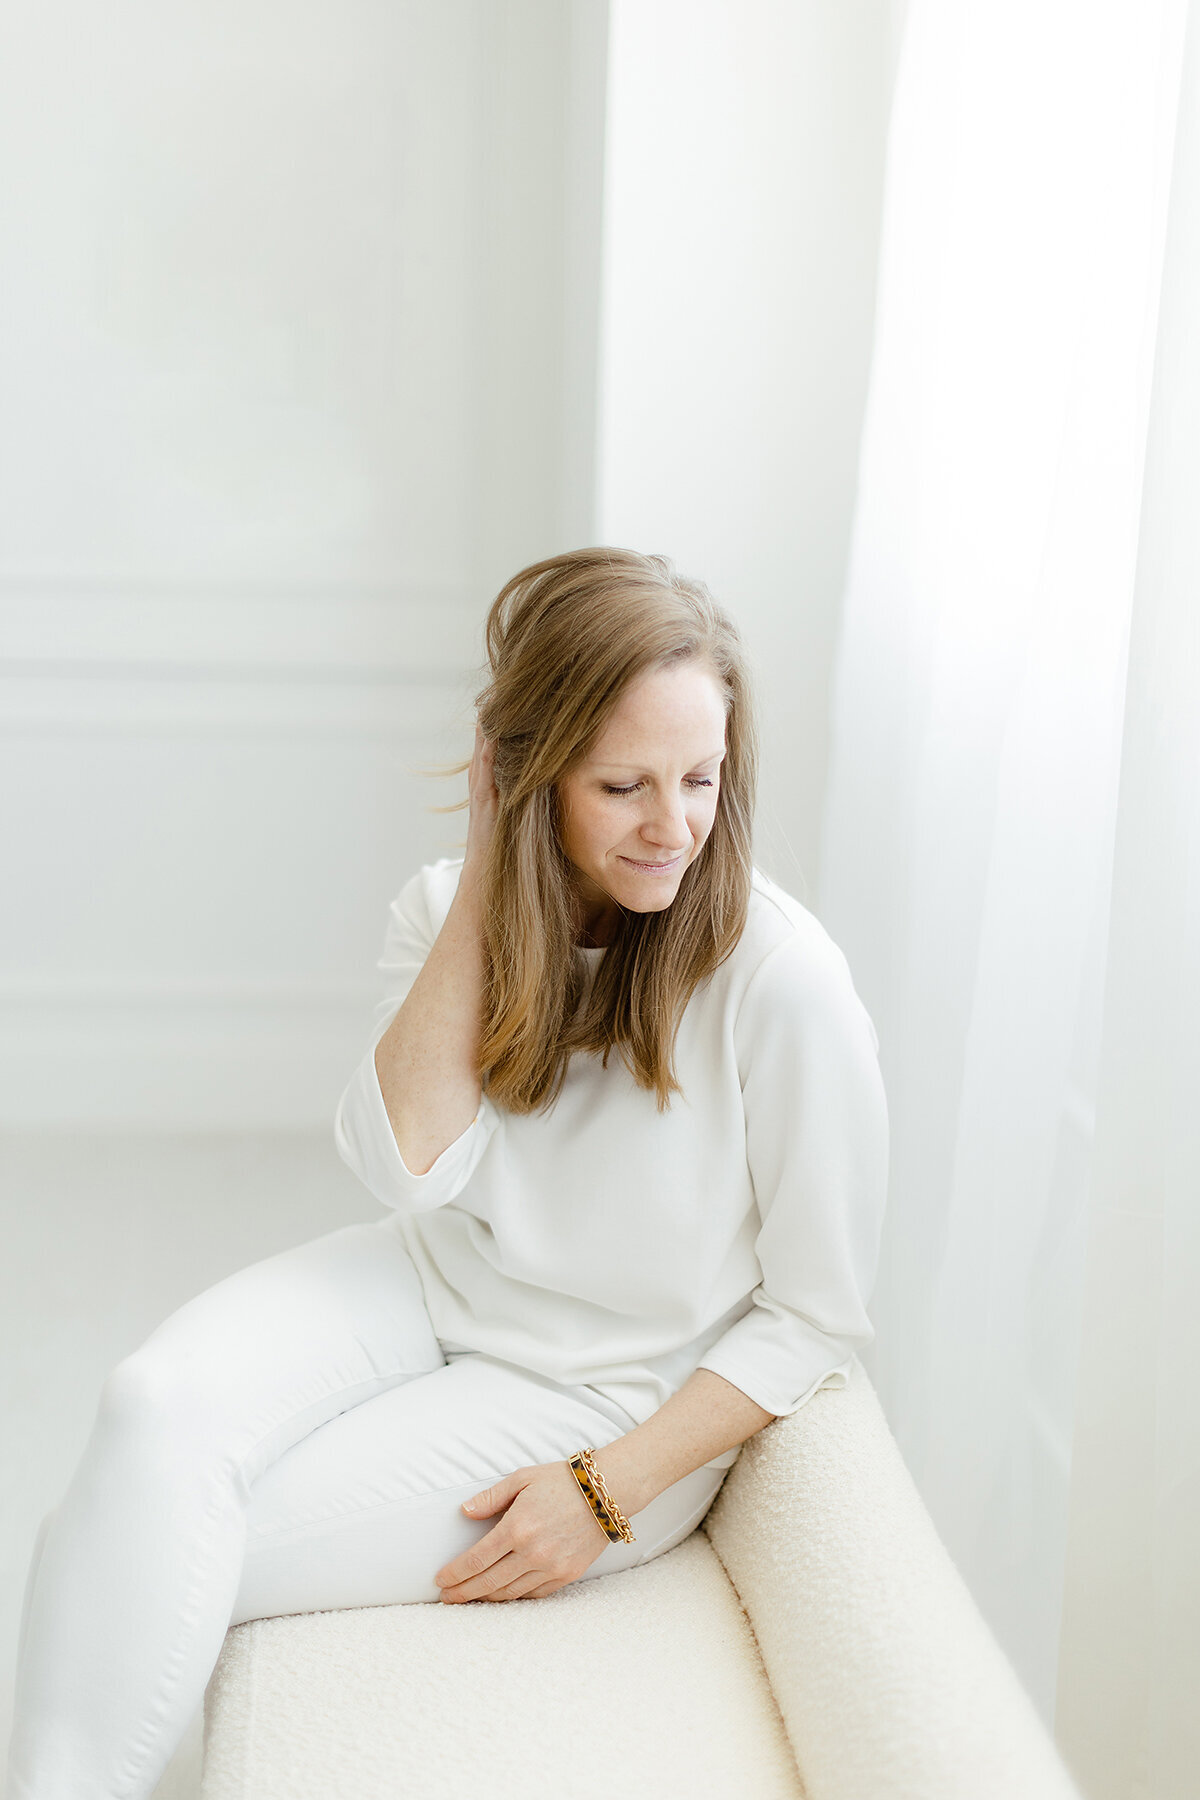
139,1566
365,1511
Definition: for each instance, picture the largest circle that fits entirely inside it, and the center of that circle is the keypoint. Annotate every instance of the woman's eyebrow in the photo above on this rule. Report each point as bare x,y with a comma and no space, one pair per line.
698,764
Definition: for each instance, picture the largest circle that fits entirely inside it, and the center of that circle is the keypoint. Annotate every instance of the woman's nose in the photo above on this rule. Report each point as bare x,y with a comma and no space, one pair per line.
667,826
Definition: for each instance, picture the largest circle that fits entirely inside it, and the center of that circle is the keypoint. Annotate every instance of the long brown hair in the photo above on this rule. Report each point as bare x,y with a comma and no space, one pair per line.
565,637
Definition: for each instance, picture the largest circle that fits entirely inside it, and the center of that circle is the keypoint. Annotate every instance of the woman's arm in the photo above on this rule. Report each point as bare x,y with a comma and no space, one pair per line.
546,1535
427,1060
817,1151
695,1423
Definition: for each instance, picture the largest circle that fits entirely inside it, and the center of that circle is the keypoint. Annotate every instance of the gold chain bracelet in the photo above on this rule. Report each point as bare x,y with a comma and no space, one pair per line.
607,1513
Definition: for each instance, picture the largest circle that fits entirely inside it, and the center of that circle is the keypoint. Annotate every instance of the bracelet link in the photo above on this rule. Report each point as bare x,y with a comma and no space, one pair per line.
607,1513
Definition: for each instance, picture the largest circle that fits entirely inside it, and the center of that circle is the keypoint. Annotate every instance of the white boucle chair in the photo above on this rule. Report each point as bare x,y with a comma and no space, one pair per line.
812,1640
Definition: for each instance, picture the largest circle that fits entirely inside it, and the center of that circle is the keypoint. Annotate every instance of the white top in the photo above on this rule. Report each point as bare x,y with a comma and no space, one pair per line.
602,1243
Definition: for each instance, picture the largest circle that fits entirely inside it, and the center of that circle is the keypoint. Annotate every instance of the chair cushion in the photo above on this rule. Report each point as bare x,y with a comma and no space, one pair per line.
646,1682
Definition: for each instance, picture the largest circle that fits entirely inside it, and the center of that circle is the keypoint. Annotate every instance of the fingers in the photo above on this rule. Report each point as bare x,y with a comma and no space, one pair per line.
483,796
498,1576
483,760
510,1577
532,1585
529,1587
544,1540
474,1563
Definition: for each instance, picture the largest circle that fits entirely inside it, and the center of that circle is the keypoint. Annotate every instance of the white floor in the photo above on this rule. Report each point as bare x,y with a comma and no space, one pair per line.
103,1236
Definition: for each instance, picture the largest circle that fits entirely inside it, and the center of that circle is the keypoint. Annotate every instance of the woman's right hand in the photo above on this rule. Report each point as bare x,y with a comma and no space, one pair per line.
484,803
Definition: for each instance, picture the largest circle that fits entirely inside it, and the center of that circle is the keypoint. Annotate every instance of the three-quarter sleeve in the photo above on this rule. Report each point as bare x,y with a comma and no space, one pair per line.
817,1148
362,1130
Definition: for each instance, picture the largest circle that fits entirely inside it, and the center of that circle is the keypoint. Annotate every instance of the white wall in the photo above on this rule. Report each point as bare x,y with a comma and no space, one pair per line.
743,192
299,364
297,367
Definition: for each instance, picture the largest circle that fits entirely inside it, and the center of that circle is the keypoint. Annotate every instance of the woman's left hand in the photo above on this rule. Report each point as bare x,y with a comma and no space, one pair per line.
546,1538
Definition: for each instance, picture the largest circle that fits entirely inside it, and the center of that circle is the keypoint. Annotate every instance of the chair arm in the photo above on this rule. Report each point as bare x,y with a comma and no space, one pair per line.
889,1680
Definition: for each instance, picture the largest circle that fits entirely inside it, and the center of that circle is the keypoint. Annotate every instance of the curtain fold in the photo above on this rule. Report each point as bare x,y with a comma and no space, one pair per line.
993,683
1129,1680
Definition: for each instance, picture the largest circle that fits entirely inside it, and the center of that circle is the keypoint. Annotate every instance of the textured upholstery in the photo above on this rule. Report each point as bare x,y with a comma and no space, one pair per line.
888,1678
643,1682
812,1641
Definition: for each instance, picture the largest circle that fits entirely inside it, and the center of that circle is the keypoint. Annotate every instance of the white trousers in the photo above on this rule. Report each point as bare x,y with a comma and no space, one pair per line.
293,1439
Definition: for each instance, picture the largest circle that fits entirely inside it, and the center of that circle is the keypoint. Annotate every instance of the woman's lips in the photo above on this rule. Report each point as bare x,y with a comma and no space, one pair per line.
652,868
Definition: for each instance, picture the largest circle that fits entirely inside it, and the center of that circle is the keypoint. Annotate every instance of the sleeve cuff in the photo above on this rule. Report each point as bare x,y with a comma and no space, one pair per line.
367,1144
779,1371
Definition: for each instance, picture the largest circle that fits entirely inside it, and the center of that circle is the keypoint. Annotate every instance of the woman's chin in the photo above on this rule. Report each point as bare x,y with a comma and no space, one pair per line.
646,893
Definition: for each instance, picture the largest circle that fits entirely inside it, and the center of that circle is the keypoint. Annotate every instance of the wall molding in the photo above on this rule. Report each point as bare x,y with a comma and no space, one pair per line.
153,991
140,1054
360,632
166,702
235,1081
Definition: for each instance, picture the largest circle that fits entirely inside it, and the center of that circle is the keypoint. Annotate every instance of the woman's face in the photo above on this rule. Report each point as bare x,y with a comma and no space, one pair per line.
639,809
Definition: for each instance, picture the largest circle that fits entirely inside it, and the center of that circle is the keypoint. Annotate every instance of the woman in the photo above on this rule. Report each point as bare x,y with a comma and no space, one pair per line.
624,1108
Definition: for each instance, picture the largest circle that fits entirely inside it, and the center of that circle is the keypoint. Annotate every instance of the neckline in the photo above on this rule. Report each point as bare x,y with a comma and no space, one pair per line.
591,949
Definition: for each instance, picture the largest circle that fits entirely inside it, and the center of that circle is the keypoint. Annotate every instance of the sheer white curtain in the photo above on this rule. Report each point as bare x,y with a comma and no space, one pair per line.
1011,857
1129,1683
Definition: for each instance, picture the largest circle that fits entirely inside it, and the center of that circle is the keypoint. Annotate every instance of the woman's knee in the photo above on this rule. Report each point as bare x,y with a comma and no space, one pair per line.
155,1394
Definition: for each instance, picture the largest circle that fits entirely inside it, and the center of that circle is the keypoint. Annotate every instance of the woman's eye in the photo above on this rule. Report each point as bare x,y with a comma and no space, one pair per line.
692,781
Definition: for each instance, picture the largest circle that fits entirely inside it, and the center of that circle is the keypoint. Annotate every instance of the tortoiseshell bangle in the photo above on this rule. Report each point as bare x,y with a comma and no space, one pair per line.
607,1513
